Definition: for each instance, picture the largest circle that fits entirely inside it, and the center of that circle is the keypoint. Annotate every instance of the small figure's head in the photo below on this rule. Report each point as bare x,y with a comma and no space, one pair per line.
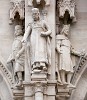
18,30
35,14
65,30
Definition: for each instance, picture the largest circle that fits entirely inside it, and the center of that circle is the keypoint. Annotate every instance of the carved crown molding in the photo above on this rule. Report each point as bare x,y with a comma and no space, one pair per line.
17,6
66,5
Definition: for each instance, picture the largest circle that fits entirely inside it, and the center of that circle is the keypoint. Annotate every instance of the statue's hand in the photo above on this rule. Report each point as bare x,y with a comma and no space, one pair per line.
43,34
82,53
23,41
17,56
10,59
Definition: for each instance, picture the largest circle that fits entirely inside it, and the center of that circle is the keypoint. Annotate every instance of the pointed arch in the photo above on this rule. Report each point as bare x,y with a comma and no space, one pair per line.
5,82
80,93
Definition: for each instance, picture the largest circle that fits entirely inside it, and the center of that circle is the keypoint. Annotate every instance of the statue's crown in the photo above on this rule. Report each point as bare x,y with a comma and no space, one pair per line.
35,10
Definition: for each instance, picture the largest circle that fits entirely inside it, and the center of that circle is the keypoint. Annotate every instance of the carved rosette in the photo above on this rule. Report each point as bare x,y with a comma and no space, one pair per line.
66,5
17,6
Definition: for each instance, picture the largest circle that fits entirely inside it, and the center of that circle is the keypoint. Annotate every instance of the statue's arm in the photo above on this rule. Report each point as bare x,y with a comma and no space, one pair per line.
58,46
22,49
74,52
26,34
11,58
47,30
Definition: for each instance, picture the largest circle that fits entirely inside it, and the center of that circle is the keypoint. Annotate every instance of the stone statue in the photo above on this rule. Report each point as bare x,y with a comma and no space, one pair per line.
64,50
38,34
17,56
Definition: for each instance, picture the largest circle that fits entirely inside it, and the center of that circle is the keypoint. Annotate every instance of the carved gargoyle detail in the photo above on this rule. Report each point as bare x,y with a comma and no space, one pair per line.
17,6
66,5
30,2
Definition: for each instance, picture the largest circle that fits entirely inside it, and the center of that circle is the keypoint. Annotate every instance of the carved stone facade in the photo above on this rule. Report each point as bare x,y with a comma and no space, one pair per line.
43,46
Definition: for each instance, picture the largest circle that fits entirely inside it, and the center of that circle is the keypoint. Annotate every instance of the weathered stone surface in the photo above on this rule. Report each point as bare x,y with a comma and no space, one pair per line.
41,82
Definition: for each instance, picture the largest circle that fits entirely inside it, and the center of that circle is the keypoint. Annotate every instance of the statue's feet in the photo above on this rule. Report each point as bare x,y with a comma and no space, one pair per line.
36,70
19,84
59,83
13,87
44,68
71,86
64,83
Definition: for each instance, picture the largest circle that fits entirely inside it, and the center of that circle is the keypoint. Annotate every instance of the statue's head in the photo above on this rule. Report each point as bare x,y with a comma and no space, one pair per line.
65,30
67,0
35,14
18,30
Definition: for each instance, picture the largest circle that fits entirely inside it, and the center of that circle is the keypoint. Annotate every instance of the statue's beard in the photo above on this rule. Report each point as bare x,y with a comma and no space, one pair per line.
36,19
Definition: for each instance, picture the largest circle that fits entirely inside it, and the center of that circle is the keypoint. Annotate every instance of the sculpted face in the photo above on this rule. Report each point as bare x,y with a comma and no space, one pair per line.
66,29
18,30
35,14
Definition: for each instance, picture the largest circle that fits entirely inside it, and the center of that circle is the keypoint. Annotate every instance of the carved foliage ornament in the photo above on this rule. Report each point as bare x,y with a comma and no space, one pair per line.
66,5
17,6
30,2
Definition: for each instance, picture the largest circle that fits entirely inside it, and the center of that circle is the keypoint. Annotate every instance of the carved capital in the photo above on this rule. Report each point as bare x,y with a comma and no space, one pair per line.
38,87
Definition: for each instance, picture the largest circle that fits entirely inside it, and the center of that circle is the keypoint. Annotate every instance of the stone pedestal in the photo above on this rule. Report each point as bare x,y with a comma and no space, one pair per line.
28,95
38,91
39,76
18,94
34,89
63,93
51,93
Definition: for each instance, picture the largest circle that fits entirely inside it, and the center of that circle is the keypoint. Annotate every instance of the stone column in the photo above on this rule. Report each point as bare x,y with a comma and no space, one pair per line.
27,85
38,91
